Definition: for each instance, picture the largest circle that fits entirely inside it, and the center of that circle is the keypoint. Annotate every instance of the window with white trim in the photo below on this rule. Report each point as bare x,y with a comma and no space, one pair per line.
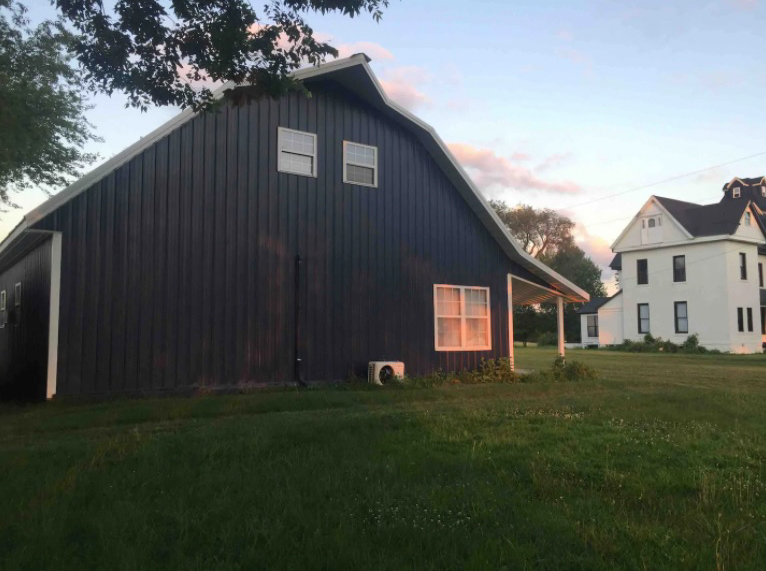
643,318
297,152
461,318
763,191
592,323
360,164
681,316
736,192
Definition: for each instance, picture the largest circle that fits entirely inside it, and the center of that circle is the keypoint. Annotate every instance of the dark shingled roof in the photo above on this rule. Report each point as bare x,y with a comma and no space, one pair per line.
593,305
708,220
616,263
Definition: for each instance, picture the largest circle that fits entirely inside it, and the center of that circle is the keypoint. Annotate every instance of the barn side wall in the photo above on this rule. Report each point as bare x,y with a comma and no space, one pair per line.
24,325
178,268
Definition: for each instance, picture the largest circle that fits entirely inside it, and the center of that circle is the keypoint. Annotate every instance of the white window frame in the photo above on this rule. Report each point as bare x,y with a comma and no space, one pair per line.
463,317
763,191
594,326
736,193
347,162
280,165
748,218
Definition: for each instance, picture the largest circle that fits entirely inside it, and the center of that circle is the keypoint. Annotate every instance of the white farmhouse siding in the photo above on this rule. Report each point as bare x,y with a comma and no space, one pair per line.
610,319
708,294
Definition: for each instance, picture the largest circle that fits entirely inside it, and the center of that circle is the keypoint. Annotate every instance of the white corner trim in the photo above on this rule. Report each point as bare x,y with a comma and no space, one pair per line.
53,322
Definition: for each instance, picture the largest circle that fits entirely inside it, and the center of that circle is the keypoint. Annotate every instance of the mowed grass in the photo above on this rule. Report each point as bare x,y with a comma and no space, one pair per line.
658,464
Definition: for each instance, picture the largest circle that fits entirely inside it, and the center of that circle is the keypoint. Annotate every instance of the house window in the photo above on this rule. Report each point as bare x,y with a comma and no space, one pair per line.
679,268
681,317
592,322
736,192
360,164
760,274
643,318
763,191
763,320
748,218
461,318
750,319
17,295
652,223
297,152
743,265
642,270
740,320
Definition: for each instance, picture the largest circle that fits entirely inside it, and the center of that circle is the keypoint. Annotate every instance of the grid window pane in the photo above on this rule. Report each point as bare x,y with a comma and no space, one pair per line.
300,164
477,332
476,303
449,332
448,301
360,175
360,154
297,152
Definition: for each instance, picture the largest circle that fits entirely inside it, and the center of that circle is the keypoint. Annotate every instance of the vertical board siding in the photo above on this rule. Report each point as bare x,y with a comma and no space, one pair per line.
24,345
179,267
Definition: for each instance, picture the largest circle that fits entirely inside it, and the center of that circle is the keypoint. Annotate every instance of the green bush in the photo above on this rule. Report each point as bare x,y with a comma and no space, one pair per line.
563,371
547,339
489,371
658,345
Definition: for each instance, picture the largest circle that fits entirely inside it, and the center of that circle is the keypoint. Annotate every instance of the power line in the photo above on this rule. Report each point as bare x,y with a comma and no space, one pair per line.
677,177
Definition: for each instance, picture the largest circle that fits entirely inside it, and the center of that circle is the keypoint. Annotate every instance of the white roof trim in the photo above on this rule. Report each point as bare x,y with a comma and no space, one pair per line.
357,59
652,199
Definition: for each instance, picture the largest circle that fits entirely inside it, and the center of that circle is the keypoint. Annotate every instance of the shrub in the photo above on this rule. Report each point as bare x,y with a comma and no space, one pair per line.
564,371
547,339
489,371
658,345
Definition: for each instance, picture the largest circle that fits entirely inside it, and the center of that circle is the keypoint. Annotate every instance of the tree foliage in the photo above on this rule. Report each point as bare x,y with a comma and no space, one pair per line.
158,52
547,235
42,107
541,232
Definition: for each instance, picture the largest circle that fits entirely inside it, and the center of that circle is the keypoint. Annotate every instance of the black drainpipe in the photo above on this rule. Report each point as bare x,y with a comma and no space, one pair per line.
298,373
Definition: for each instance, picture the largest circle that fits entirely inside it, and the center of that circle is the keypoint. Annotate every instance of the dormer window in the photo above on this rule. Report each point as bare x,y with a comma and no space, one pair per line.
736,192
763,191
652,223
748,218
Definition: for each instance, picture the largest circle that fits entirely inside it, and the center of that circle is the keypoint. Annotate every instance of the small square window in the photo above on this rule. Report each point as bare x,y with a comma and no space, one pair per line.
297,152
360,164
736,192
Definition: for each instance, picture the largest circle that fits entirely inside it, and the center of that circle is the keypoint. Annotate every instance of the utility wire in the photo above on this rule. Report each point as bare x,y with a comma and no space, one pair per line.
677,177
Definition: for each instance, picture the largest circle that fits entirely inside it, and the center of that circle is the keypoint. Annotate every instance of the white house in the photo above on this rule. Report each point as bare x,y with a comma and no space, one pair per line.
686,268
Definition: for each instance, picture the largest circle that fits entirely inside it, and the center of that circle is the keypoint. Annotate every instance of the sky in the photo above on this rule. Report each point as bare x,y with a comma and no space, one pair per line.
576,105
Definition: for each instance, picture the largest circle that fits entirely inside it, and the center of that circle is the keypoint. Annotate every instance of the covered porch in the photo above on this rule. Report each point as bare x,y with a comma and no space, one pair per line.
523,292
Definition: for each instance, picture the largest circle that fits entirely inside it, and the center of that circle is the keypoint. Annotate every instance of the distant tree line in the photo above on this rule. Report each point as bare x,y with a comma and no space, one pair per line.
547,235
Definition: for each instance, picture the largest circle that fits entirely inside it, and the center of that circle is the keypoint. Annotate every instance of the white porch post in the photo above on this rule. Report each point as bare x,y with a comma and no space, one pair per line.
510,321
560,323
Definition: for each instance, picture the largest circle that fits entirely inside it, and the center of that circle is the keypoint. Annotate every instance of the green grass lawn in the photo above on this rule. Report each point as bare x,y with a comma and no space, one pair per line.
659,464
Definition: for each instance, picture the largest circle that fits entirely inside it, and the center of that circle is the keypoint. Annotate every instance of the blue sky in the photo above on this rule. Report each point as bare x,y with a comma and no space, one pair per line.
556,103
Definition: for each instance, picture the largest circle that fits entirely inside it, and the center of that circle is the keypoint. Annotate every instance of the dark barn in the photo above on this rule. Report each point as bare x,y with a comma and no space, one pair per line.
264,242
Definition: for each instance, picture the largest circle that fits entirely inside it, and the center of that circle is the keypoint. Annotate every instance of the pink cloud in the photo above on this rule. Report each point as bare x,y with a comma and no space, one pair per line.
553,161
743,4
402,85
594,246
375,51
490,170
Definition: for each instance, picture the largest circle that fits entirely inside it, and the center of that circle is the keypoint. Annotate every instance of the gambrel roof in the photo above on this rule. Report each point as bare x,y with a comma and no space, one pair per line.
355,75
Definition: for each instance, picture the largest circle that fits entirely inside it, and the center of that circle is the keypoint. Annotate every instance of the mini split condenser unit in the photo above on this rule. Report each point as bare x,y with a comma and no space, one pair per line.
382,372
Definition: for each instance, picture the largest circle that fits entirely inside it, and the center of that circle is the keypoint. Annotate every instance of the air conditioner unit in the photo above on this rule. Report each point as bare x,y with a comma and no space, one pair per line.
382,372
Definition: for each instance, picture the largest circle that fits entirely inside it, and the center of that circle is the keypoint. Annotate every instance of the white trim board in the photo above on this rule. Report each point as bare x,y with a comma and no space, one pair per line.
485,212
53,322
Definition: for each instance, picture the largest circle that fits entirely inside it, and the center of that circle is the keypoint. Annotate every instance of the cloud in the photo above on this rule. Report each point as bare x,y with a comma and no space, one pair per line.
375,51
492,171
553,161
594,246
402,84
578,58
